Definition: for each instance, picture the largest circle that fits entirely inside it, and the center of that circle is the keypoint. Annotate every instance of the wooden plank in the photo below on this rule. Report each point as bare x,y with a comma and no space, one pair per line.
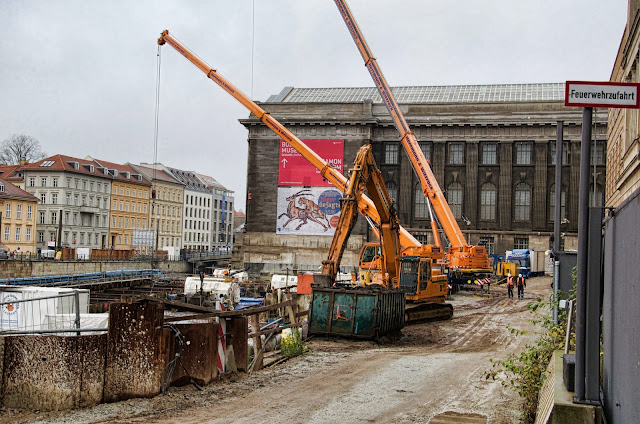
273,330
257,343
238,327
227,314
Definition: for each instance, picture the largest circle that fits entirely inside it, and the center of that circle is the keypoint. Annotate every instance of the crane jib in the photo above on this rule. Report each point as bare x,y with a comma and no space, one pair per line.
415,156
222,83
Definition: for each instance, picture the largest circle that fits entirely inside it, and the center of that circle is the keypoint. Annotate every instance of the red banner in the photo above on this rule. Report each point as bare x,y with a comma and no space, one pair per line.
295,170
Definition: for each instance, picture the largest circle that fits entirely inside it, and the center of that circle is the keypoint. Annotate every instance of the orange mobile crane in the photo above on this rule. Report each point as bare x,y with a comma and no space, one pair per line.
397,242
463,262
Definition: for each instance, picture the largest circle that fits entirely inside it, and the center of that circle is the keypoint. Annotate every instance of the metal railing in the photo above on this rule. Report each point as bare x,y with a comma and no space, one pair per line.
59,313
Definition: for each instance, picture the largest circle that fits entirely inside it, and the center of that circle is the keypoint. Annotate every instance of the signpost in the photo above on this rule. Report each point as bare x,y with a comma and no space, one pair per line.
601,94
590,94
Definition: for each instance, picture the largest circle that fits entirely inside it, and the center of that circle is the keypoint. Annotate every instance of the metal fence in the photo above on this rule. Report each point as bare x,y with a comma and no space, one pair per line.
35,312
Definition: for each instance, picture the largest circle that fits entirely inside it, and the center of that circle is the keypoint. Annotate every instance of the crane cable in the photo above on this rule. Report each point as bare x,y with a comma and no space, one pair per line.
157,113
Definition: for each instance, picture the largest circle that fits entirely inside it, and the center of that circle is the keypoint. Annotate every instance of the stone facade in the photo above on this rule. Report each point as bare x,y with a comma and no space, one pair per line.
493,160
623,152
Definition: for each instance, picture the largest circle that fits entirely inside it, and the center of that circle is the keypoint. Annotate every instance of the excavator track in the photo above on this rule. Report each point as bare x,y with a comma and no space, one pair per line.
422,312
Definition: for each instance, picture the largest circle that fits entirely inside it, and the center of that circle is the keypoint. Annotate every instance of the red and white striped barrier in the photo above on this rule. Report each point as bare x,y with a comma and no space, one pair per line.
222,340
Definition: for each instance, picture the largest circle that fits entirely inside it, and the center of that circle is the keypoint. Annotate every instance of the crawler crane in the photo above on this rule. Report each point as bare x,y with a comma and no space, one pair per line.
396,241
463,262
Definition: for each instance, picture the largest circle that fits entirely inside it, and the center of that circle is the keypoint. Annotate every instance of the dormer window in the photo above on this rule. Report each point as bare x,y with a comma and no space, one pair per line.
1,187
73,164
126,174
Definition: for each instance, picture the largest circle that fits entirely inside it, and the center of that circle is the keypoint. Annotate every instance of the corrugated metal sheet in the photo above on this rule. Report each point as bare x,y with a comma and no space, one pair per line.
364,313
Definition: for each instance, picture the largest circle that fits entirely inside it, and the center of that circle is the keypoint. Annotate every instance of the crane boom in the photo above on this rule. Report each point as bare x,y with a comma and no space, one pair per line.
365,205
428,182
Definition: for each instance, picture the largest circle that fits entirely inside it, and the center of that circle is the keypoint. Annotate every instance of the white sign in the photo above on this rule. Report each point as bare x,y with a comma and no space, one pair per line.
602,94
308,211
9,317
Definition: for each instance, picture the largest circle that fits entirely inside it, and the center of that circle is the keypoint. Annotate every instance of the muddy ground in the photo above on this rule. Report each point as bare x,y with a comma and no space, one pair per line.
434,374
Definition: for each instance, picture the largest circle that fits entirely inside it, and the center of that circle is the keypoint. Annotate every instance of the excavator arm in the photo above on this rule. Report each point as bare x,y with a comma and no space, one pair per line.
365,206
365,173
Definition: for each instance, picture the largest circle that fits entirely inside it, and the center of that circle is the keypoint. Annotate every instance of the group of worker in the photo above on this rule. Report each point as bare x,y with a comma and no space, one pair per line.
520,282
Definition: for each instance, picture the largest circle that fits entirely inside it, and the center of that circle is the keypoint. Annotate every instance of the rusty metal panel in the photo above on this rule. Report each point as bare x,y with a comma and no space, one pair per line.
93,349
199,353
135,355
238,328
366,313
51,373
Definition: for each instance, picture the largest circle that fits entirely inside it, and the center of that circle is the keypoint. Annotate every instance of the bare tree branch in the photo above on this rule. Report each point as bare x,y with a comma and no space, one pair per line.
20,147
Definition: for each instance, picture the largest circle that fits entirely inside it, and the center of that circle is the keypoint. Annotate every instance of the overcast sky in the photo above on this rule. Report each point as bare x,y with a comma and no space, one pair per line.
80,76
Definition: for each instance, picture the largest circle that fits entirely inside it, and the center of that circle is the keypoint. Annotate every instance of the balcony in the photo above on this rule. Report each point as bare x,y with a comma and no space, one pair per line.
84,208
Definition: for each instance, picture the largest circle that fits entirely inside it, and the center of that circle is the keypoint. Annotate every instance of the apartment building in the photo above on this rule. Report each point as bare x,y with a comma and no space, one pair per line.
17,215
74,199
167,194
130,195
222,215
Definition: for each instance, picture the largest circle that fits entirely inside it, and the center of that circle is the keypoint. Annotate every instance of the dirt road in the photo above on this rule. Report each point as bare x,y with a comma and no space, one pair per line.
434,374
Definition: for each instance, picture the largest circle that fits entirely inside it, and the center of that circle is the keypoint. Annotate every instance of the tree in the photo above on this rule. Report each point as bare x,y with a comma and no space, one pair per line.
20,147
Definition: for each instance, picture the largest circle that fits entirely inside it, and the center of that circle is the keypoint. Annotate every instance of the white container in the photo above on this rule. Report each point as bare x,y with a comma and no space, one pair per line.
32,315
218,287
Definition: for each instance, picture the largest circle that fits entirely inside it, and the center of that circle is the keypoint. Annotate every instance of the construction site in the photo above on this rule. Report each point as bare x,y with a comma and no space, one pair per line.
411,278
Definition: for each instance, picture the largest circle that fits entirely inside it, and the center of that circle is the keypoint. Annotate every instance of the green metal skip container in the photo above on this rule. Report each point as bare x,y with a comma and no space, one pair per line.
363,313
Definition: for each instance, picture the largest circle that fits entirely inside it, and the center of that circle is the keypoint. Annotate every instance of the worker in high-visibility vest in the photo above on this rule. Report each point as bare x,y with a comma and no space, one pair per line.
510,285
521,283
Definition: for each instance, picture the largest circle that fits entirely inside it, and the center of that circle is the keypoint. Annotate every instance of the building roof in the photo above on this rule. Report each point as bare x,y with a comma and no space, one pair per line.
156,174
13,192
496,93
239,214
189,179
67,164
122,173
211,182
8,172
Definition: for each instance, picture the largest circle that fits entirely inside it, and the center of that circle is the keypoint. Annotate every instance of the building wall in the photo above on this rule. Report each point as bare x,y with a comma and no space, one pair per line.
166,213
623,154
129,212
222,229
508,125
81,201
18,224
196,230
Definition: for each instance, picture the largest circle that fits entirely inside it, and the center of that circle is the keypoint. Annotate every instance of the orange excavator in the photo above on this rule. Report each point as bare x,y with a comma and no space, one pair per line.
402,261
463,262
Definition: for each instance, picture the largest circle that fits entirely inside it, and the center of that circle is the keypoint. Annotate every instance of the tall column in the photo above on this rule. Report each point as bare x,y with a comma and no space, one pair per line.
540,185
505,185
470,208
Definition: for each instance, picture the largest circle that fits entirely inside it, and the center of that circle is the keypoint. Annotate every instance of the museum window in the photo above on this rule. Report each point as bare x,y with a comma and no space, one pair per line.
488,196
598,151
599,196
523,153
522,203
392,188
421,208
391,151
521,242
455,196
426,150
456,153
489,244
565,153
552,204
489,154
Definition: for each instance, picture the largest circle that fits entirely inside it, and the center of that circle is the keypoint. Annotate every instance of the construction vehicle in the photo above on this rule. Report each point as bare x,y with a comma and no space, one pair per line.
463,263
530,263
405,263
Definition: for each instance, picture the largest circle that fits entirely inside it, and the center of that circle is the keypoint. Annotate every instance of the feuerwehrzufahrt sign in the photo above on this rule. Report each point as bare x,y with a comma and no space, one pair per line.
602,94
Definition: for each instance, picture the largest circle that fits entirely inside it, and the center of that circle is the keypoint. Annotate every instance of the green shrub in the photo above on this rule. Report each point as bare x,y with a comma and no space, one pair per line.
292,345
524,373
